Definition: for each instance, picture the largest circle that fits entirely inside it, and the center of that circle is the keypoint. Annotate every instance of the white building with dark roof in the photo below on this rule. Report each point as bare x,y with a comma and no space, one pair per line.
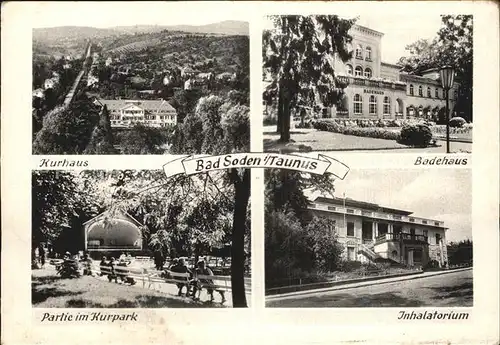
125,113
371,233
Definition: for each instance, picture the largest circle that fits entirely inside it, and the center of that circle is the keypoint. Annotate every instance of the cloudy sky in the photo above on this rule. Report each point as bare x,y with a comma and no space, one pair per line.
442,194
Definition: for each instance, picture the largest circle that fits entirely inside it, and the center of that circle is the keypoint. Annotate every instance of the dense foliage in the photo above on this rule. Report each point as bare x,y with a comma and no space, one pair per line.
68,130
453,46
460,253
457,122
297,58
297,243
416,135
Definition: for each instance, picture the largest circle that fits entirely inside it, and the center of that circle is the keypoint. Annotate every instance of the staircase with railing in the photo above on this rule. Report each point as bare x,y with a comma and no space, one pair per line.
368,252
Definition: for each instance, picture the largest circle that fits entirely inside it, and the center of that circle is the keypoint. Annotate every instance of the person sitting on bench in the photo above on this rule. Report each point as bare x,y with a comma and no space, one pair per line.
179,266
207,283
103,266
112,275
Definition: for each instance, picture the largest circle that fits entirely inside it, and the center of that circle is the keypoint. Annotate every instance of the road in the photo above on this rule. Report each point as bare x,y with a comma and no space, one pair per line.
71,93
444,290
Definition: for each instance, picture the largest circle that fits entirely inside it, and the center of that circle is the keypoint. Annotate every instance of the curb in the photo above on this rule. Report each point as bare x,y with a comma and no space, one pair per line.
346,286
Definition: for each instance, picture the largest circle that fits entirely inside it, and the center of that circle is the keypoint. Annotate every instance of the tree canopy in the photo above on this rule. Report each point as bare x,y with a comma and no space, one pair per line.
298,244
298,58
453,45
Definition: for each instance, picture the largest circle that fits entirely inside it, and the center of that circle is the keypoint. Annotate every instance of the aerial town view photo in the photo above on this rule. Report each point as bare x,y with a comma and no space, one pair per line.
136,89
398,84
137,239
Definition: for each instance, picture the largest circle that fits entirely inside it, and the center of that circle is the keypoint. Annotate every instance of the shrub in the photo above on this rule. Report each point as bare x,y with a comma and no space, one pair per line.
270,121
349,266
417,135
457,122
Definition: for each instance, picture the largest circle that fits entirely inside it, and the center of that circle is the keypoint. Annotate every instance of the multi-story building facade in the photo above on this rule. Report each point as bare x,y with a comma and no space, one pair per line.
127,113
378,90
371,232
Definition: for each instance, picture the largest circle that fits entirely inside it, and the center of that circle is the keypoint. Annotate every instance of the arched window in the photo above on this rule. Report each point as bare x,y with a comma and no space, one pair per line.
368,73
358,104
349,69
411,110
436,94
358,72
420,91
429,92
411,89
359,52
372,105
368,55
387,105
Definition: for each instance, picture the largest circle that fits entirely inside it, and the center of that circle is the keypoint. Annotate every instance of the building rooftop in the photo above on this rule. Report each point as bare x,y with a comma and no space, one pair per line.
362,204
147,105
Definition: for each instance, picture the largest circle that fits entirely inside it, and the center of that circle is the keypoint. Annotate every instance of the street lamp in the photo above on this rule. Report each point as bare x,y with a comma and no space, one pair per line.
447,74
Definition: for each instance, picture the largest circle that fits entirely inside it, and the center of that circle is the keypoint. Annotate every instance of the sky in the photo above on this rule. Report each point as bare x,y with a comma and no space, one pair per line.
400,29
441,194
110,14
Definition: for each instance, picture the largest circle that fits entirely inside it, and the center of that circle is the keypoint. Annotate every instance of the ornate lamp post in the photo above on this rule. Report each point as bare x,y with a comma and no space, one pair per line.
447,74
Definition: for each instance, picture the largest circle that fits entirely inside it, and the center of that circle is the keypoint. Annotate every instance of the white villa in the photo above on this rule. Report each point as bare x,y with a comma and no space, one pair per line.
127,113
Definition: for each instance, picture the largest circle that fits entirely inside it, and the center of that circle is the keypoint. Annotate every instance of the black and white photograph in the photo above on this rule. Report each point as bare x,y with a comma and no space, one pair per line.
112,84
372,82
378,238
135,239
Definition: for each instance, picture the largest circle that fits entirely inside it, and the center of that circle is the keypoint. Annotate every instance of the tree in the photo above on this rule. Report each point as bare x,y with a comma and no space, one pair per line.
144,140
452,46
298,244
219,126
67,130
297,57
57,198
101,140
460,252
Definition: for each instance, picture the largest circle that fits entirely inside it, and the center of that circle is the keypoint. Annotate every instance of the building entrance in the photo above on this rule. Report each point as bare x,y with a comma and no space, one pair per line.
367,231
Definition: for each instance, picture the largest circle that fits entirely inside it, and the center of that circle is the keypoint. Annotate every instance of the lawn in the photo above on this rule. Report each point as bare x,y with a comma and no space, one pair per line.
306,140
50,291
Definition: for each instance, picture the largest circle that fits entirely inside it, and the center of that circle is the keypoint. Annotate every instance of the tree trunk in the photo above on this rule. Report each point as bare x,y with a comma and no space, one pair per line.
280,111
284,114
241,198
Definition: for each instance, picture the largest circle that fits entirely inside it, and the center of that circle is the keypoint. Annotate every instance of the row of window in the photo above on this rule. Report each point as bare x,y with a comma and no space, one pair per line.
146,117
358,71
359,52
372,105
350,233
421,91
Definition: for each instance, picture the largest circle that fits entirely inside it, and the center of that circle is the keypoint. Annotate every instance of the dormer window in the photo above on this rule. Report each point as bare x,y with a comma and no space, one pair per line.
368,54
